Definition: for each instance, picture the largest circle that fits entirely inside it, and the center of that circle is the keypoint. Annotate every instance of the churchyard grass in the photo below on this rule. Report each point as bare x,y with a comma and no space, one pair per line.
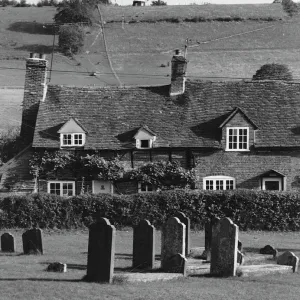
24,276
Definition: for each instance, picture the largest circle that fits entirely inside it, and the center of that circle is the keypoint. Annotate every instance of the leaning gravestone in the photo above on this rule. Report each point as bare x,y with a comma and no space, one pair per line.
173,247
208,236
143,245
224,248
33,241
101,251
288,258
8,242
186,221
268,250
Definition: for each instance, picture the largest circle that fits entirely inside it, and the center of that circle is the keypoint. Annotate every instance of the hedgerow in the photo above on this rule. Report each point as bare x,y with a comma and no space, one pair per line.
250,210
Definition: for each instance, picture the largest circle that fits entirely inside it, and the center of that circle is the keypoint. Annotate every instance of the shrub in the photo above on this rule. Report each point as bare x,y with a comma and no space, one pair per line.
255,210
158,3
273,72
290,7
71,39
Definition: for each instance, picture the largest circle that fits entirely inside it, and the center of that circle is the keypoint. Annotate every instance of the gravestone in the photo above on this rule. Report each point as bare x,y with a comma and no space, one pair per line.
288,258
224,248
208,236
268,250
101,251
143,245
240,257
186,221
173,243
33,241
7,242
240,246
57,267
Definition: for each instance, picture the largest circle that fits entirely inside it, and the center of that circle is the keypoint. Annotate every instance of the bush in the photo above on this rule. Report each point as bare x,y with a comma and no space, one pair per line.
71,39
273,72
250,210
290,7
158,3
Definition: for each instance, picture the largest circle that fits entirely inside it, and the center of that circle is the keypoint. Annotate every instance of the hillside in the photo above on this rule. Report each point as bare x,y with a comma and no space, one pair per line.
141,50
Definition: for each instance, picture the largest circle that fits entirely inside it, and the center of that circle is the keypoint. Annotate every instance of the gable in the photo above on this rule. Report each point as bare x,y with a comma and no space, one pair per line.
142,134
71,126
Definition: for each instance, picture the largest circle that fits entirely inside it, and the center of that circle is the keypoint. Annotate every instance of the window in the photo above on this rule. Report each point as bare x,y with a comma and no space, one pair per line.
237,139
72,139
61,188
145,187
272,184
218,183
144,144
101,186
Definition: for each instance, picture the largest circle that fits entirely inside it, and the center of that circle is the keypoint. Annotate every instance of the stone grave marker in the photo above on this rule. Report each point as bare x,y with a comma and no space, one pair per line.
186,221
268,249
8,242
101,251
224,248
288,258
173,243
208,236
33,241
143,245
57,267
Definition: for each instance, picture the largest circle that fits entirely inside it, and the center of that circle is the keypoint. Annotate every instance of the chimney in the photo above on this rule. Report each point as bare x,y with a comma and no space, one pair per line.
178,69
34,92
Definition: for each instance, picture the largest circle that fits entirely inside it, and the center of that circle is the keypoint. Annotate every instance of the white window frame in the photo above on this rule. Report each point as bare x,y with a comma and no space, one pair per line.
61,187
72,139
154,189
277,179
139,143
218,179
227,139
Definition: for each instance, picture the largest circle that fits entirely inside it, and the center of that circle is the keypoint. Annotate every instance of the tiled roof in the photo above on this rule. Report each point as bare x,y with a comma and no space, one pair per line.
113,115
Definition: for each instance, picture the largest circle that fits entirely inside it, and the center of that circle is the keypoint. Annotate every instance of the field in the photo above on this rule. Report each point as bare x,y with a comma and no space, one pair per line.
140,52
24,277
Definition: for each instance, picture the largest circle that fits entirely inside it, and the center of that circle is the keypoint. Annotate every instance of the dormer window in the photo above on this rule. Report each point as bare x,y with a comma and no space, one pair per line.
72,134
72,139
144,138
237,139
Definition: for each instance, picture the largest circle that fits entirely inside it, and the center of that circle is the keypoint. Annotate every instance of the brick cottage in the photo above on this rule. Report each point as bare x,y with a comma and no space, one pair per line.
243,134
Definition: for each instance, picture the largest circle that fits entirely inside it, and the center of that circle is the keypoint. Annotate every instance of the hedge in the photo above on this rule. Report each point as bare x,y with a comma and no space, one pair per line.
251,210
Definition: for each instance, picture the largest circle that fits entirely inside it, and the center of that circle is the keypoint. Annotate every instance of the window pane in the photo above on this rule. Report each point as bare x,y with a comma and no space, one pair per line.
67,189
54,188
229,184
77,139
143,187
219,185
145,143
67,139
150,188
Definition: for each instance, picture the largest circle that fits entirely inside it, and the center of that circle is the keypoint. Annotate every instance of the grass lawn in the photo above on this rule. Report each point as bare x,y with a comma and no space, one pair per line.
24,277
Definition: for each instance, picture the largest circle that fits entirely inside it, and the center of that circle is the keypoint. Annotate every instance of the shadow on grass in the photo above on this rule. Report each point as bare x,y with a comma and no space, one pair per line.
41,279
33,28
36,48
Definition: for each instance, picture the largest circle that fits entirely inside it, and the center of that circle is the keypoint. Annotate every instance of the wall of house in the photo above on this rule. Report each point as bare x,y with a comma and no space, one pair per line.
247,167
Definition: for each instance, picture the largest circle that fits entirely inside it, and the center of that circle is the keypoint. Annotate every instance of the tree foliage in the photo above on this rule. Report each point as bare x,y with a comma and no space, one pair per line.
273,72
158,3
71,39
74,11
290,7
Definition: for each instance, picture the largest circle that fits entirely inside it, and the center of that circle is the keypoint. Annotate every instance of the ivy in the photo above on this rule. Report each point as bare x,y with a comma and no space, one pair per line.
164,175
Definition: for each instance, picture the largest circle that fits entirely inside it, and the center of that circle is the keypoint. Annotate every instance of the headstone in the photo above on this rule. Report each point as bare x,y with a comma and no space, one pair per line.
288,258
8,242
173,243
240,257
240,246
186,221
143,245
176,264
101,251
269,250
57,267
33,241
224,248
208,236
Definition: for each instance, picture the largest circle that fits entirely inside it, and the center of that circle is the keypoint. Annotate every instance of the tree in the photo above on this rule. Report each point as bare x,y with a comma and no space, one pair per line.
71,39
9,143
158,3
74,11
290,7
273,72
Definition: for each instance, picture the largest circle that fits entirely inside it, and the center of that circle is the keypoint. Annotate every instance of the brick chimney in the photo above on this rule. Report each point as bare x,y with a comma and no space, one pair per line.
34,92
178,69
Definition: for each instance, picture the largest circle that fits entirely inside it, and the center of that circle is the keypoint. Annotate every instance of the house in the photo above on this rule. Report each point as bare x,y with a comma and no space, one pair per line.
138,3
241,134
